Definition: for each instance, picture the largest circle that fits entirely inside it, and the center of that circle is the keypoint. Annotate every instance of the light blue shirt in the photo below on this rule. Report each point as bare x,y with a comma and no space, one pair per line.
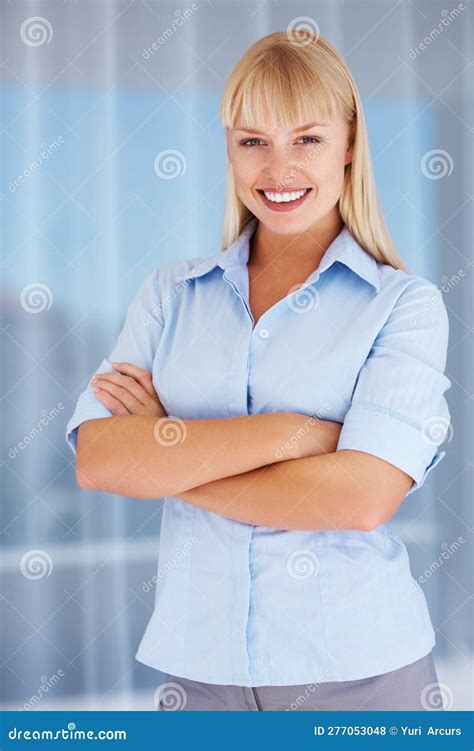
360,343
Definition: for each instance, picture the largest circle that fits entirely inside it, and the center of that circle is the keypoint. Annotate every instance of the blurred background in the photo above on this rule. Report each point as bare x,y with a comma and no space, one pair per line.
113,162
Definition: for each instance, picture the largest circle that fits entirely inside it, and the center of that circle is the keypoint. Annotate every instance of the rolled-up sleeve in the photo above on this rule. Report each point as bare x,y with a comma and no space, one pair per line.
398,411
136,343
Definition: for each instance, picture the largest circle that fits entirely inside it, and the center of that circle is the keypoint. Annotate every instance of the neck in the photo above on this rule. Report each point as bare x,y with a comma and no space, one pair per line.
308,247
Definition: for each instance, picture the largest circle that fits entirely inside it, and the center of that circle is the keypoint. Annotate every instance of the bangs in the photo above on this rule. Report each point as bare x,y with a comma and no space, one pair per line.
280,91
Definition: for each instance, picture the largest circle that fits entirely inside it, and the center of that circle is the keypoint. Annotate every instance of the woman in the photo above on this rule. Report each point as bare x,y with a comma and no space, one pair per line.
282,396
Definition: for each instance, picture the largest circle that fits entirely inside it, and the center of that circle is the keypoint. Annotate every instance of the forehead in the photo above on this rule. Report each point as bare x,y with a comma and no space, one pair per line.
262,115
263,128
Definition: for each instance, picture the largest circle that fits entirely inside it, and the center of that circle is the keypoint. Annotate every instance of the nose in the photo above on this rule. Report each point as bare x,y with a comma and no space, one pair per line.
281,178
280,169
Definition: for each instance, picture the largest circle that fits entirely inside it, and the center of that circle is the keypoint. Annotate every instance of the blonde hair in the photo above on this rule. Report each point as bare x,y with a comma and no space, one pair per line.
298,80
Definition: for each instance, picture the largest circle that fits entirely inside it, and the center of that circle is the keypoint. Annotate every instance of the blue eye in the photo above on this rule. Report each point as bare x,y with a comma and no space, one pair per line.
246,142
250,142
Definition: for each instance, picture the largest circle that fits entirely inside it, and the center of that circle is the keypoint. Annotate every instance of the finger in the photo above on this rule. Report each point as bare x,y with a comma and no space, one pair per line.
140,374
137,400
112,404
126,383
123,395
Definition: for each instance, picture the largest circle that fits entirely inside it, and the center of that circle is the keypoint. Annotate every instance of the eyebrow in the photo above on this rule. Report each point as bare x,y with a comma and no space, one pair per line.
296,130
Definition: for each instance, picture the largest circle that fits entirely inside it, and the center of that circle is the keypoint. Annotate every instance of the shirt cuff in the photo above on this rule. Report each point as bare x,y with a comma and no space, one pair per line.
90,409
385,435
436,460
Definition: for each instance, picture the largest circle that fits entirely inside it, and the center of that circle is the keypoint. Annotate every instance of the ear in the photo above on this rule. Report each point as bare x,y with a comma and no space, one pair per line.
349,154
227,139
350,141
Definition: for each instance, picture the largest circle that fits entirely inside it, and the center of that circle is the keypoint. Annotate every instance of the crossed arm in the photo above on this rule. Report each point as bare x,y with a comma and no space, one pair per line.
332,491
277,470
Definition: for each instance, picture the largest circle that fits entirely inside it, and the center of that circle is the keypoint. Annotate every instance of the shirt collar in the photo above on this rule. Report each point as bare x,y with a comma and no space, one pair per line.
344,249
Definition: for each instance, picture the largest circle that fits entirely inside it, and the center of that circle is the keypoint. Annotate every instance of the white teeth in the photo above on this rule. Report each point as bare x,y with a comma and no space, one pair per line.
285,197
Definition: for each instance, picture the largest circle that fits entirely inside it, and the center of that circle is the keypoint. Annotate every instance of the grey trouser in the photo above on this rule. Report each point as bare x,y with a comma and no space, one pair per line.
412,687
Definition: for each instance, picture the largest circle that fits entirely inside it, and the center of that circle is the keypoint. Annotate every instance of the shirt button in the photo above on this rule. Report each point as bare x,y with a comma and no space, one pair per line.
264,333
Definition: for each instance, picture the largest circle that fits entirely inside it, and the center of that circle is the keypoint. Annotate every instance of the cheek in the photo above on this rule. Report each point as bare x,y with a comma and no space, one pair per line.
246,171
327,172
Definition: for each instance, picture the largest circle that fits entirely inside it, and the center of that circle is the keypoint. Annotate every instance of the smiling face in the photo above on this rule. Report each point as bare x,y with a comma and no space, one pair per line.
290,177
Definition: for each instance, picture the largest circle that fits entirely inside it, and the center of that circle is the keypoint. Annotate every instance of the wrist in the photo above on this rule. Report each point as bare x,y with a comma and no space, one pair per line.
304,435
294,436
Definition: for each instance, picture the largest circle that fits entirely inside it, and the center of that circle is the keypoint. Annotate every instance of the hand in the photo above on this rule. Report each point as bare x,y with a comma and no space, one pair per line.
129,391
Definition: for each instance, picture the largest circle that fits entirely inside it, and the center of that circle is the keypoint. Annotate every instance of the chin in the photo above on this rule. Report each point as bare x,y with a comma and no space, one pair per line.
286,224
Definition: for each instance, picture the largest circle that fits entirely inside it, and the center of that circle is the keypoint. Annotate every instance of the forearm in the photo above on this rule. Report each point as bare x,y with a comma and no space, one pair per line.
322,492
128,455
